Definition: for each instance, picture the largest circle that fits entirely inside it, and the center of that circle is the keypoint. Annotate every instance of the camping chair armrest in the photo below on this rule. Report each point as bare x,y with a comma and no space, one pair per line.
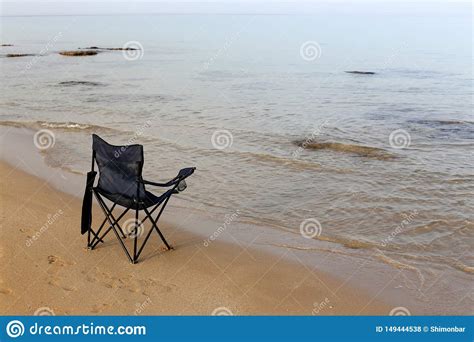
185,173
167,184
182,174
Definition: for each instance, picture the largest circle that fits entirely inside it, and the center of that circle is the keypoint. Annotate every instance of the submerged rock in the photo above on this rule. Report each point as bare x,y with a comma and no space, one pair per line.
360,72
75,83
78,53
360,150
12,55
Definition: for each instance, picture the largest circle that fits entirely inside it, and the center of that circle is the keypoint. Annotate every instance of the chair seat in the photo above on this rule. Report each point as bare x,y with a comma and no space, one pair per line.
128,202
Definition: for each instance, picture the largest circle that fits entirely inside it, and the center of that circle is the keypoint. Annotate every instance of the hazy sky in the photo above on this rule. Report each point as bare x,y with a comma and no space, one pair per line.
87,7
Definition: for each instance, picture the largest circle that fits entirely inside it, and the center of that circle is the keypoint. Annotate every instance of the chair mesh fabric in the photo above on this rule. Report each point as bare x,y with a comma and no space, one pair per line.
119,169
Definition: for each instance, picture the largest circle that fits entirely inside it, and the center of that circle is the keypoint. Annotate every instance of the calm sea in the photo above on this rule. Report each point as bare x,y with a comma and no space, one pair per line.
375,166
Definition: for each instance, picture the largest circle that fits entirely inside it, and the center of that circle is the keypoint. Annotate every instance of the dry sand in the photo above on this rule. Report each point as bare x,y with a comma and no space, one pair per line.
44,264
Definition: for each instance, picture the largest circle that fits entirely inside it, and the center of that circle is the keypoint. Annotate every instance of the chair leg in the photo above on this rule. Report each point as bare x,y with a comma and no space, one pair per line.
108,229
98,239
113,224
90,244
154,227
89,238
95,240
135,256
96,235
153,222
109,212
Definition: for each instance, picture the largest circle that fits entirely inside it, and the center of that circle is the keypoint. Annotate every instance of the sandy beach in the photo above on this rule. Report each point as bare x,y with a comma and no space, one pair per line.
46,266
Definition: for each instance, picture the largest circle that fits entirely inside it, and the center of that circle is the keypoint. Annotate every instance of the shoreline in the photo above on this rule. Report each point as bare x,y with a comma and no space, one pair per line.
45,244
388,284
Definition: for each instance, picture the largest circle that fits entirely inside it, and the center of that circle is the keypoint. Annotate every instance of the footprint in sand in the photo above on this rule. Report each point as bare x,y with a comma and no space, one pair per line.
57,282
99,308
57,262
57,265
6,291
128,283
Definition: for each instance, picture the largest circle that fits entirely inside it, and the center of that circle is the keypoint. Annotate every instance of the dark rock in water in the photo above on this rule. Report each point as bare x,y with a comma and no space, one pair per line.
109,49
78,53
75,83
6,45
12,55
361,72
360,150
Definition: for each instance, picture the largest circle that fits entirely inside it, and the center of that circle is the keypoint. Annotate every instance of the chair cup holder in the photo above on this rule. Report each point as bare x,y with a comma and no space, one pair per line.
181,186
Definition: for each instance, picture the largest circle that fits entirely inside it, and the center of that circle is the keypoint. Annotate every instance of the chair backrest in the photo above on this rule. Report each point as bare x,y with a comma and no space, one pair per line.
119,168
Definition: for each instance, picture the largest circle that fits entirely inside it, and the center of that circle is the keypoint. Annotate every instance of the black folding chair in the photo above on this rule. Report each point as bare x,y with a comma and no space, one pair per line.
121,182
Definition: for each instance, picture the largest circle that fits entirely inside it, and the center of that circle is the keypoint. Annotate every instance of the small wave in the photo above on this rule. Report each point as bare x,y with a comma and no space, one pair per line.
446,129
441,122
66,126
401,266
345,242
381,253
292,163
360,150
439,260
350,243
392,262
427,228
462,267
301,248
262,157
